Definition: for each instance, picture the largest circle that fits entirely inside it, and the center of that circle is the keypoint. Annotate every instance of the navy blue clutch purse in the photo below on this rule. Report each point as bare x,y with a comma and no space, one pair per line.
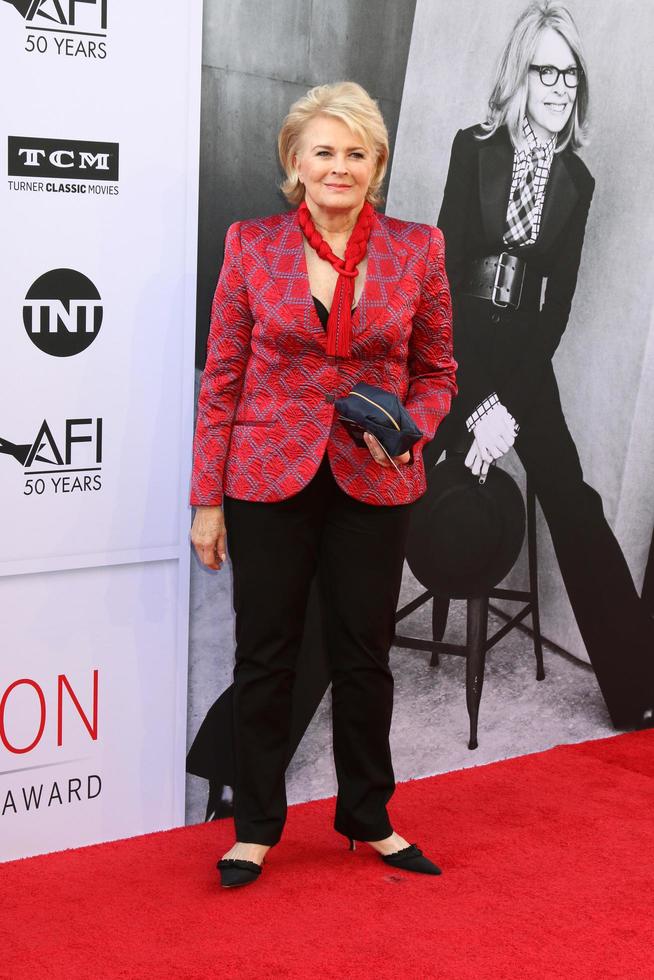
371,409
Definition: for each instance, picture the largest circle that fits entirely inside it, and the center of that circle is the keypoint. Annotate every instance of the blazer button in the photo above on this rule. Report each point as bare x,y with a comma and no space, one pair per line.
330,399
495,318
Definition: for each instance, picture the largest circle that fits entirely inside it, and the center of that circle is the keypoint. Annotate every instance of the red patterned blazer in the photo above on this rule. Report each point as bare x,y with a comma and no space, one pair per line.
266,408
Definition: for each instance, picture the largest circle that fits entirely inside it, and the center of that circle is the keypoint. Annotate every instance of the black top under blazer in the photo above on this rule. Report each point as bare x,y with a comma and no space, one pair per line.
473,221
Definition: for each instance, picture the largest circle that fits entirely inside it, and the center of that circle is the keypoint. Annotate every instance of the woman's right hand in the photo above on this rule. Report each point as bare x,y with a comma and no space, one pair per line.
208,535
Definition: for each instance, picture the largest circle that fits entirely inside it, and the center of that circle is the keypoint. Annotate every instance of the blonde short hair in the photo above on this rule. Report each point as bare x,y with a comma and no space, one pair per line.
351,104
508,99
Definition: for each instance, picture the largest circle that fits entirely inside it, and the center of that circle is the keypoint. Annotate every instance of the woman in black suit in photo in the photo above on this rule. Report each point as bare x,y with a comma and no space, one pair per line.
514,214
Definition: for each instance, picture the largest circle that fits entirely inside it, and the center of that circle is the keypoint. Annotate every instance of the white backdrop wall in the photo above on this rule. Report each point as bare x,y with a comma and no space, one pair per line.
605,362
98,192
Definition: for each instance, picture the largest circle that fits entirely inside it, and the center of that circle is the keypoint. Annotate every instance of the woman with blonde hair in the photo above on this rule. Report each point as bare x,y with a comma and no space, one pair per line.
514,215
308,304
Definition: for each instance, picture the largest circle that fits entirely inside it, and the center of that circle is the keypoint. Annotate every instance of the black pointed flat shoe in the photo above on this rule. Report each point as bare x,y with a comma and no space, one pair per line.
411,858
234,872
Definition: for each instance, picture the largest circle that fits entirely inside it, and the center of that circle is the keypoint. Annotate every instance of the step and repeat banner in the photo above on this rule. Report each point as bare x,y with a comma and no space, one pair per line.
99,132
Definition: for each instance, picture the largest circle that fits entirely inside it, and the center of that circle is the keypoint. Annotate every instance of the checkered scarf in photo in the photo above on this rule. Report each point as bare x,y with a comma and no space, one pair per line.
531,168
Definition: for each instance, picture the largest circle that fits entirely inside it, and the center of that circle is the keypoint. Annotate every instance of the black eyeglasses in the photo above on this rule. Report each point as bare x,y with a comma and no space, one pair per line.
549,75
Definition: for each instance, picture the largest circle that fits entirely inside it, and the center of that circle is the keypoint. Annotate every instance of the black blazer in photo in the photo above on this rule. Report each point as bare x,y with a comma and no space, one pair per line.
473,220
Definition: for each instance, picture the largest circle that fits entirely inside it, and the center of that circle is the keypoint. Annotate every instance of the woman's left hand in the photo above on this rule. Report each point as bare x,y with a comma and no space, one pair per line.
378,453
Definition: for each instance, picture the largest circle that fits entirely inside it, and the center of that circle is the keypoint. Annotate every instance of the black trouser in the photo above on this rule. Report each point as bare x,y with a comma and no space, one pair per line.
357,551
616,629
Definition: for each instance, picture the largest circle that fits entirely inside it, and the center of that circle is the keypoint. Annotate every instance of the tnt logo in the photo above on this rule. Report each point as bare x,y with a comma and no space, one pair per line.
65,13
62,312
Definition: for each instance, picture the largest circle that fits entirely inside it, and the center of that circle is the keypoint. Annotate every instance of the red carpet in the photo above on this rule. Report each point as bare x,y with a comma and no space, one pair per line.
548,872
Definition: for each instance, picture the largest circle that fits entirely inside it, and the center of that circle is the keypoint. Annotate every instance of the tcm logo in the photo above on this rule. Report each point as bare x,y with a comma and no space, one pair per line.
62,313
63,13
62,461
78,159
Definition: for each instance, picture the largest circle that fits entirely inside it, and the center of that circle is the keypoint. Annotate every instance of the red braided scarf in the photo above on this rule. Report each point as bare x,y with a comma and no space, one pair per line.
339,324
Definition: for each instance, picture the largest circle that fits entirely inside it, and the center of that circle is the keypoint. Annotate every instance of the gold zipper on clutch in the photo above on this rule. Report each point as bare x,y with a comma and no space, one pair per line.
381,409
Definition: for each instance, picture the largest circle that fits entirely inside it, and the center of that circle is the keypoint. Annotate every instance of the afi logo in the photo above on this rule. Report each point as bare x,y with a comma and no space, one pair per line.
45,450
41,13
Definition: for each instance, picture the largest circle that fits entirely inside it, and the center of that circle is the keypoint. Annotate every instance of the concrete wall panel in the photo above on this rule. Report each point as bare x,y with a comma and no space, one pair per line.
239,172
258,57
368,42
257,37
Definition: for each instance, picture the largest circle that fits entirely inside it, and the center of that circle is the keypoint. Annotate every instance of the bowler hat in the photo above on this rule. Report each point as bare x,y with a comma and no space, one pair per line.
465,536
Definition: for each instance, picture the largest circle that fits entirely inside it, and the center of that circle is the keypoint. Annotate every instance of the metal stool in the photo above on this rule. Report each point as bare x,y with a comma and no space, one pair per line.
477,641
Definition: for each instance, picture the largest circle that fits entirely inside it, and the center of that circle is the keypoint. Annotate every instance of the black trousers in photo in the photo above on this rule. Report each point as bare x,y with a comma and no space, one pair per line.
357,551
615,626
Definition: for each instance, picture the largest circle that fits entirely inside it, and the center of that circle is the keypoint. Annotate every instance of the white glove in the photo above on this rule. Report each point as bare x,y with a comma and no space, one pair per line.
494,433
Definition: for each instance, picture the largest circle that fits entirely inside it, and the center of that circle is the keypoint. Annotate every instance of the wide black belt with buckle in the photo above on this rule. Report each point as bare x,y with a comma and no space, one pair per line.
505,280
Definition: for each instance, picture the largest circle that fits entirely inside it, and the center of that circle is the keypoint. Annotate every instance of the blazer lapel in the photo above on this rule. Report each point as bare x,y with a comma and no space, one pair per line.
287,288
495,172
560,198
386,261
